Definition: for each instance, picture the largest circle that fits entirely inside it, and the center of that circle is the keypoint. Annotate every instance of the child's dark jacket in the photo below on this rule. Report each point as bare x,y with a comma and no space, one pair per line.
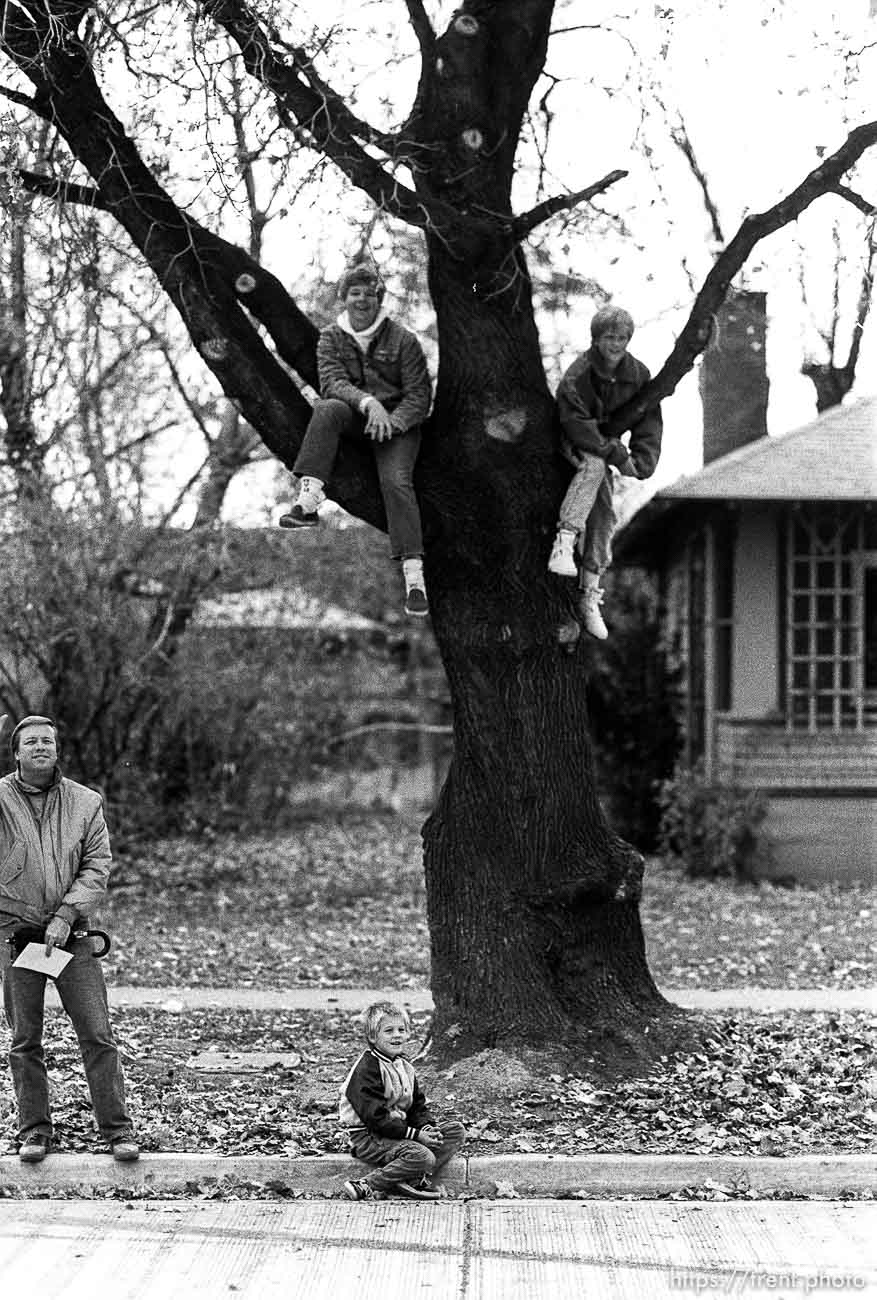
585,400
383,1096
392,369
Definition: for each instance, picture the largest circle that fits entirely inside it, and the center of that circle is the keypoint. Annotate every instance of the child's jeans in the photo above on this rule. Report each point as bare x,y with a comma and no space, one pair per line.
587,508
406,1161
394,460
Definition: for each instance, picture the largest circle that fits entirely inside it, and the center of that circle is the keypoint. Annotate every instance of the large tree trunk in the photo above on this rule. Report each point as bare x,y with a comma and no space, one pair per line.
532,899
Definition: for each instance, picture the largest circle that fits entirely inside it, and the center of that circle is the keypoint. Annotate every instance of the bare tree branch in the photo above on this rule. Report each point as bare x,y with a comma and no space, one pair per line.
423,28
680,137
696,332
329,125
869,209
528,221
53,187
16,97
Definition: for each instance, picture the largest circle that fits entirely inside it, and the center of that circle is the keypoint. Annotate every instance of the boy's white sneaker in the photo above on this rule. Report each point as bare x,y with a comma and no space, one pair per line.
562,560
589,607
304,513
416,604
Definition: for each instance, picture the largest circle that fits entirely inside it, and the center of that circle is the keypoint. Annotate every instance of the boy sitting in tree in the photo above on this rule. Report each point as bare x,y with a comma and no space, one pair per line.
375,386
597,383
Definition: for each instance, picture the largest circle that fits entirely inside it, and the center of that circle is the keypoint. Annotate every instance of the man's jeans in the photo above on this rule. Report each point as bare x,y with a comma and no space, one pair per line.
406,1161
587,508
83,995
333,420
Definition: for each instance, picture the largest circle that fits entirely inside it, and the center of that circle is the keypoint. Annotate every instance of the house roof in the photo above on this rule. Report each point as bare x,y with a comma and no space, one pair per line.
833,458
275,607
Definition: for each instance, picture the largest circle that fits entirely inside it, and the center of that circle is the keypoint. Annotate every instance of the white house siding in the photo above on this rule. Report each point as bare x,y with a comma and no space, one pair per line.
755,685
818,839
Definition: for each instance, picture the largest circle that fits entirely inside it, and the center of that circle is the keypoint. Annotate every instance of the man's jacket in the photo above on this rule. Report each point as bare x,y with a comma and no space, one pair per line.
392,369
585,400
384,1097
59,866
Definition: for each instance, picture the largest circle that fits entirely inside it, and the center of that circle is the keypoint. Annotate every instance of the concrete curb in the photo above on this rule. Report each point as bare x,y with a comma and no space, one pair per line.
346,999
611,1176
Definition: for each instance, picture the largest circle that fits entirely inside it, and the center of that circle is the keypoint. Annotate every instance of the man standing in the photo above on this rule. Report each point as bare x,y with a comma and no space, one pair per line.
54,862
374,387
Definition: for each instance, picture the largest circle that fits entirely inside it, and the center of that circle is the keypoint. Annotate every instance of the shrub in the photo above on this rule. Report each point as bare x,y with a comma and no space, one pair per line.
714,830
633,707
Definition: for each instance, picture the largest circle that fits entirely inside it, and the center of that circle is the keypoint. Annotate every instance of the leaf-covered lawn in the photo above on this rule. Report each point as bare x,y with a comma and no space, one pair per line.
342,902
762,1085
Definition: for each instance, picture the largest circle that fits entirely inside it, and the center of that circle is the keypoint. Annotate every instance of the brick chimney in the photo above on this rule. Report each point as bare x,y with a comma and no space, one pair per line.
733,375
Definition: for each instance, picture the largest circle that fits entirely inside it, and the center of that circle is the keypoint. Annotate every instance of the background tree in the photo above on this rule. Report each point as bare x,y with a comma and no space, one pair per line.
532,897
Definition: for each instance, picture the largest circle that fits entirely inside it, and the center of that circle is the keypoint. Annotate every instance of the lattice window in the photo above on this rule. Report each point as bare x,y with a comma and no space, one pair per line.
825,631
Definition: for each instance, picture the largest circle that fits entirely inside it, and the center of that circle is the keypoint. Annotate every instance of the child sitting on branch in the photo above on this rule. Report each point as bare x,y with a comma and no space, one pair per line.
374,386
597,383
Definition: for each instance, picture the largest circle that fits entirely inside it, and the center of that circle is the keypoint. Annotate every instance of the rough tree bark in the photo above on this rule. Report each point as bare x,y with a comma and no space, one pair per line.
533,900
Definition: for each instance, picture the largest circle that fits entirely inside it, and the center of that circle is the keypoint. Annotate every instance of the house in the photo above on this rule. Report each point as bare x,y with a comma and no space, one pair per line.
767,564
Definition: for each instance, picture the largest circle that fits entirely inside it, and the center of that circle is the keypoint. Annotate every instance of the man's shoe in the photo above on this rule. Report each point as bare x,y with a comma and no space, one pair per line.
416,604
299,518
422,1191
34,1147
124,1148
358,1189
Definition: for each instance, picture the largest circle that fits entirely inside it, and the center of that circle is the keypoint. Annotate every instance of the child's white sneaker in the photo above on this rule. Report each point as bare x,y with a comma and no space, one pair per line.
589,607
562,560
416,603
304,513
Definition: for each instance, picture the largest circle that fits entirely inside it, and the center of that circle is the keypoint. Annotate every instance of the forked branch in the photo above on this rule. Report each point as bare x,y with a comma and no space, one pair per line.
695,334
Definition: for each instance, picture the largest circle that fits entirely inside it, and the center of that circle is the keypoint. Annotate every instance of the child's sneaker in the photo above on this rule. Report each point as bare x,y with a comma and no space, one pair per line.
299,518
359,1189
304,513
416,604
589,608
422,1191
562,560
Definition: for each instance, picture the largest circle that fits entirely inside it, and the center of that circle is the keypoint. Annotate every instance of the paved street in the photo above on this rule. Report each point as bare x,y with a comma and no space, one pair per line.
473,1250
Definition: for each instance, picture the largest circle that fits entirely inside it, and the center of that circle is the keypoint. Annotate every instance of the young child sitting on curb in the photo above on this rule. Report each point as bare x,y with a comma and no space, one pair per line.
384,1108
596,384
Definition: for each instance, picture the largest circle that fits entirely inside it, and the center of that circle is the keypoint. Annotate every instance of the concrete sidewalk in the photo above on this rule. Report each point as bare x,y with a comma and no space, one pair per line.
347,999
529,1175
469,1250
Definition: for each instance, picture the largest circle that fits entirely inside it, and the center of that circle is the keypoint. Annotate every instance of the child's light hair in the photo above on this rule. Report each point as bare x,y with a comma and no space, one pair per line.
611,317
372,1016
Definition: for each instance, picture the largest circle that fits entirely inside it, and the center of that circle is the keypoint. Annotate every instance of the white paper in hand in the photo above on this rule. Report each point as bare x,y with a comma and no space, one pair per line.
34,958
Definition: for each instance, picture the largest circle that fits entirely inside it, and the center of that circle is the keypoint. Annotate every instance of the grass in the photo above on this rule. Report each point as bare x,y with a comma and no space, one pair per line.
341,902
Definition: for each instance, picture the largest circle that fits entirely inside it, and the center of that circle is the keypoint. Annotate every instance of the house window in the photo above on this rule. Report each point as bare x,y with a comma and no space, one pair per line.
870,629
828,624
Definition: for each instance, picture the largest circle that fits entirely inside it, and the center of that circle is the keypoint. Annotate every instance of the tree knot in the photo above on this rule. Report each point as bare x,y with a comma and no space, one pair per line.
505,426
215,349
466,25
